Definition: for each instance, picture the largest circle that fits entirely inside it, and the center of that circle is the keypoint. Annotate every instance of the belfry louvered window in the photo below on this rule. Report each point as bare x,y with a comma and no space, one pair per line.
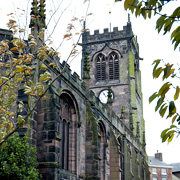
100,67
113,66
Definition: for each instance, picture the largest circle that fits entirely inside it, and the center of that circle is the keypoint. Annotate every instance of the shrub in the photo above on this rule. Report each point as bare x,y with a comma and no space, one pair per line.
18,160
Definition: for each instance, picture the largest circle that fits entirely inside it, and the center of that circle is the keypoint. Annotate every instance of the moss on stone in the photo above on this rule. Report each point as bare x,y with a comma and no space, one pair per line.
131,64
48,165
92,122
89,177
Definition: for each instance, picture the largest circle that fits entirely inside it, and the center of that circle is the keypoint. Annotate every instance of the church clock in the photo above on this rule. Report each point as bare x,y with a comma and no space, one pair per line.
103,96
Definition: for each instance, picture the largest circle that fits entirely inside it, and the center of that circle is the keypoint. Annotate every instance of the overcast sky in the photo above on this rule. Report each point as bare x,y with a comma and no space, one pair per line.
152,46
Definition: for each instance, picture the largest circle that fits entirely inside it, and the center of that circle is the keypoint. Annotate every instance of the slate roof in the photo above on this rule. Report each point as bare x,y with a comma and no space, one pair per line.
176,167
154,162
175,177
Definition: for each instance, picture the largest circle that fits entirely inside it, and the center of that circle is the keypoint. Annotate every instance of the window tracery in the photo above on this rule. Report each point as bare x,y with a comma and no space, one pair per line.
100,67
113,66
68,134
101,151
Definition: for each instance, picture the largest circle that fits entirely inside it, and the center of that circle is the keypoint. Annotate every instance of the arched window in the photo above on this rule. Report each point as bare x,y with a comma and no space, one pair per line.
101,151
68,134
100,67
113,66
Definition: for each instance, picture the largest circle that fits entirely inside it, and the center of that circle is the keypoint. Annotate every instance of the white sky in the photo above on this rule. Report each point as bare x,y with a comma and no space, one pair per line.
152,46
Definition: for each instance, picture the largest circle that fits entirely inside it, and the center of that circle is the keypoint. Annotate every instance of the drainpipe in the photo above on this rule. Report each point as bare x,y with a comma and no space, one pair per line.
124,157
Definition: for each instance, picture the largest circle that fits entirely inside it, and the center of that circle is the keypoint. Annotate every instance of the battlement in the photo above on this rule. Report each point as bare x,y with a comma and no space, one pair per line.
5,34
107,34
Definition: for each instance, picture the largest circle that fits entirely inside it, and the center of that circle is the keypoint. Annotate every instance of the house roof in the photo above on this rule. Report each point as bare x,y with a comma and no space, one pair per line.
175,177
176,167
154,162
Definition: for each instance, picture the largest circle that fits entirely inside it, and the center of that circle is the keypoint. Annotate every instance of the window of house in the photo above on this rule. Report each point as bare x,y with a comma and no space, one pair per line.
68,134
164,178
154,178
100,67
113,66
163,171
154,171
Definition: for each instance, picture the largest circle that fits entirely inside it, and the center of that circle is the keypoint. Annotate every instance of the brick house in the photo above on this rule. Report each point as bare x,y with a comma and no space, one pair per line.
159,170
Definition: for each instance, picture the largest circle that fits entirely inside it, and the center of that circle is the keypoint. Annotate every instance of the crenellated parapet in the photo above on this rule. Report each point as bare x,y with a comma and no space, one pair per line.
5,34
107,34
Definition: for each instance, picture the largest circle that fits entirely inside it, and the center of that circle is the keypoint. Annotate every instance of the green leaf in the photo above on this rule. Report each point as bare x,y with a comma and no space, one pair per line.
163,110
159,102
160,22
176,12
168,135
152,97
155,63
164,132
157,72
164,89
175,37
173,126
176,95
172,109
168,71
159,6
128,4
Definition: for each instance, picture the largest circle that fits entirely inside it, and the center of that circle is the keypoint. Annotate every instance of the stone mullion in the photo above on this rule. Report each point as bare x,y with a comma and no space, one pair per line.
74,143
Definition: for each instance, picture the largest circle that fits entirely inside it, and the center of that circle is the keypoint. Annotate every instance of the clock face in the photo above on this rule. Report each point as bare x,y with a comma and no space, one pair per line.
103,96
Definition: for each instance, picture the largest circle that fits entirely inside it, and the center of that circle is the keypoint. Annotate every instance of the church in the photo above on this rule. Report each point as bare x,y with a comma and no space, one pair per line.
92,128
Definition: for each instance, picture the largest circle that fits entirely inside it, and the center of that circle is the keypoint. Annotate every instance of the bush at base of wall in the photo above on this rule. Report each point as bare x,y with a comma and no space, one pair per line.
18,160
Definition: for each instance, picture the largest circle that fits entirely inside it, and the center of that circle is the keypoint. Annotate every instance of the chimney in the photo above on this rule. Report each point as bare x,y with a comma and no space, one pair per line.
158,156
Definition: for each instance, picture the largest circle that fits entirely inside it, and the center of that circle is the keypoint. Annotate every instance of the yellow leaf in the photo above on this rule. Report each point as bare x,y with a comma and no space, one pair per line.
43,66
174,118
19,79
14,49
176,95
51,64
22,30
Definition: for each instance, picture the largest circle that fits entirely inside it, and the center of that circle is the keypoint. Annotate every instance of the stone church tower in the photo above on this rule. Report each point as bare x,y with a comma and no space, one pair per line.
113,61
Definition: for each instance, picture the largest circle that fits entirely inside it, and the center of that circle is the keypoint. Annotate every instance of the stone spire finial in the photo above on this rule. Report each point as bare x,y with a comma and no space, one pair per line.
131,123
123,113
34,13
129,18
137,130
86,71
37,22
42,23
109,100
84,25
144,139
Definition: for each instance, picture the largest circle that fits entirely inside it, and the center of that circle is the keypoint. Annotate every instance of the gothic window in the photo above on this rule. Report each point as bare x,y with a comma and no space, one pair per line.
101,151
113,66
100,67
68,134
